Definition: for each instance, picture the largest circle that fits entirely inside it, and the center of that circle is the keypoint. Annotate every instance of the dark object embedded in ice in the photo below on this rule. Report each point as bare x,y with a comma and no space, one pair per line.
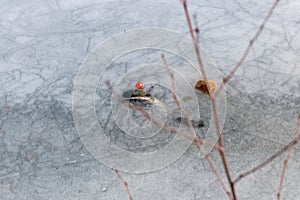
195,123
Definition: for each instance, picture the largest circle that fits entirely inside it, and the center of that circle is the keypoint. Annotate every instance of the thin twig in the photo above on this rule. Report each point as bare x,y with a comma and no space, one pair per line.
187,117
246,52
197,140
285,162
217,173
214,105
265,163
195,43
125,184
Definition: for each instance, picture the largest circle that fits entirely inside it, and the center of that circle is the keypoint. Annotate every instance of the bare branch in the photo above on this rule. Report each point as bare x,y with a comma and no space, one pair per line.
198,141
125,184
214,105
251,42
216,171
285,162
196,46
187,117
263,164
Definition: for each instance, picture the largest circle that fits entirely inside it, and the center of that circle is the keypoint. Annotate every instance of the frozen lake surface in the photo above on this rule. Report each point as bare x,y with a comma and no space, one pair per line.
42,46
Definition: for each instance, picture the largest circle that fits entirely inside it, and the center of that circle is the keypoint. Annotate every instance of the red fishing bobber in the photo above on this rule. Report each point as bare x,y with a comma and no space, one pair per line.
139,85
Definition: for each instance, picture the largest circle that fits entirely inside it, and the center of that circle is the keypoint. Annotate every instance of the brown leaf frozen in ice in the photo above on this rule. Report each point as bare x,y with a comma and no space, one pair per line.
200,85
